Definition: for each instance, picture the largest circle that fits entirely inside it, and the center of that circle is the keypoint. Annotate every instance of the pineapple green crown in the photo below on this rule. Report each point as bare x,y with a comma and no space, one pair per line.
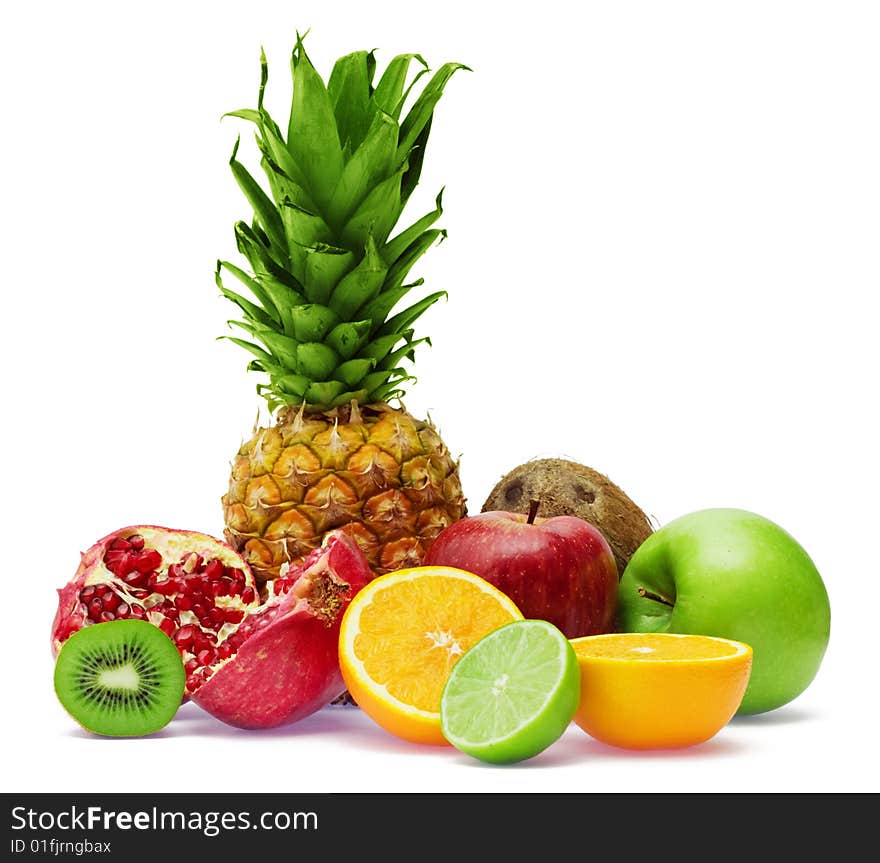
325,273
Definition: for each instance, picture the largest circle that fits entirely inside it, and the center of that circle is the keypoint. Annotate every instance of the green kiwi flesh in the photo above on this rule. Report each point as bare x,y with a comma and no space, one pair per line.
124,678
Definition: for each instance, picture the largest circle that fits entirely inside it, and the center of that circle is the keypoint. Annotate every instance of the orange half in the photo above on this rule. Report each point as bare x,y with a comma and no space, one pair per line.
401,635
659,690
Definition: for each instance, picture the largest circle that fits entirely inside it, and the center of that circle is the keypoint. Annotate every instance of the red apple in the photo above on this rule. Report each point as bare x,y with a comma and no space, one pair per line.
558,569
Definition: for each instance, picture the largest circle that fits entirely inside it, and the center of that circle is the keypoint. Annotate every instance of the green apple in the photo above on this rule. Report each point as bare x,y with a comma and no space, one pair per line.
734,574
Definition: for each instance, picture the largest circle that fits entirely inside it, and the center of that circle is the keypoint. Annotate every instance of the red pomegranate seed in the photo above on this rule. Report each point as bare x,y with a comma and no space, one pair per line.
235,640
184,635
136,579
167,626
124,566
87,593
206,657
198,610
191,563
138,611
136,541
156,579
248,595
148,561
107,616
220,587
217,617
191,665
214,570
233,615
95,609
124,610
192,683
111,601
120,544
183,603
201,642
224,651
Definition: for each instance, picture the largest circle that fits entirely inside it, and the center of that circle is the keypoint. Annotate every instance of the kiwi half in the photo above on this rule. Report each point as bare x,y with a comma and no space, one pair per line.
124,678
565,487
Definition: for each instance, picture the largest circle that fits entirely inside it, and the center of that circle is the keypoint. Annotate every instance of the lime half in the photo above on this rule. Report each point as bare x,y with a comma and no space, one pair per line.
512,694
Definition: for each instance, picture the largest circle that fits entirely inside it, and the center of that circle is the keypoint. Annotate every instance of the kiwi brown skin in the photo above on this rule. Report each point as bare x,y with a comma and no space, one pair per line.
567,488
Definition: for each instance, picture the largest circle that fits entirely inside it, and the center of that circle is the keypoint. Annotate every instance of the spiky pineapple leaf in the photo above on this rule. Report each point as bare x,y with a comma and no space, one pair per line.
376,215
372,162
253,285
421,112
348,337
284,348
395,247
259,255
352,372
389,93
324,393
316,360
325,266
294,385
312,135
264,208
379,347
252,311
407,351
408,316
361,284
401,267
349,90
378,309
312,322
248,346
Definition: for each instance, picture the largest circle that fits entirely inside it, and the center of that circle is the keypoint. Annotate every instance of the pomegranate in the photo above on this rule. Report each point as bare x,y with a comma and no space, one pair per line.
286,660
251,664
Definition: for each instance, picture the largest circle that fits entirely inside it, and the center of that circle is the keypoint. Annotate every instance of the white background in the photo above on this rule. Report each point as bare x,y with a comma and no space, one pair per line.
662,262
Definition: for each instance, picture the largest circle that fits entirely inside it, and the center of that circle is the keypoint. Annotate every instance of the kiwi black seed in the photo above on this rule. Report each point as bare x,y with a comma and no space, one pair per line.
565,487
124,678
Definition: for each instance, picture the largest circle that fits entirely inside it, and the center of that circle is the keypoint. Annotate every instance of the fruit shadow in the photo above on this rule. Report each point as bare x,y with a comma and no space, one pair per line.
576,747
785,716
340,721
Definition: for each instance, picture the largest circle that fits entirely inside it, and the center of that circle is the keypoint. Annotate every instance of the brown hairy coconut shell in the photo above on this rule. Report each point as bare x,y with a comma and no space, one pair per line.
568,488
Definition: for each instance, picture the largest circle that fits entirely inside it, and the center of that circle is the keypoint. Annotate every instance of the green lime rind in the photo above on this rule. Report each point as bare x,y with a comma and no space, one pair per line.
123,678
512,694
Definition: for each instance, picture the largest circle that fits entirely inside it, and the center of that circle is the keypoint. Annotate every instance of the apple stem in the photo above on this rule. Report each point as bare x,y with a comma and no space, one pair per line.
647,594
533,511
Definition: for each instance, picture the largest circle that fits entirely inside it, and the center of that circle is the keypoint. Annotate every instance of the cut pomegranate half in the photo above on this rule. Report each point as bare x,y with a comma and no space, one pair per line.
285,656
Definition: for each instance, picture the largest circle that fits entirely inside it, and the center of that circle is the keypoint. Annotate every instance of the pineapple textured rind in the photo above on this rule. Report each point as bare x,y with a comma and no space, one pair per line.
376,473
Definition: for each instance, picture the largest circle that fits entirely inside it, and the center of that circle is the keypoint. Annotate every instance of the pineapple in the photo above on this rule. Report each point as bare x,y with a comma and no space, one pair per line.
325,277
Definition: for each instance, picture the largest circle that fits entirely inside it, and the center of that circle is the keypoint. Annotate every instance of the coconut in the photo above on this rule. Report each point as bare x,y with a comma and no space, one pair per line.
567,488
